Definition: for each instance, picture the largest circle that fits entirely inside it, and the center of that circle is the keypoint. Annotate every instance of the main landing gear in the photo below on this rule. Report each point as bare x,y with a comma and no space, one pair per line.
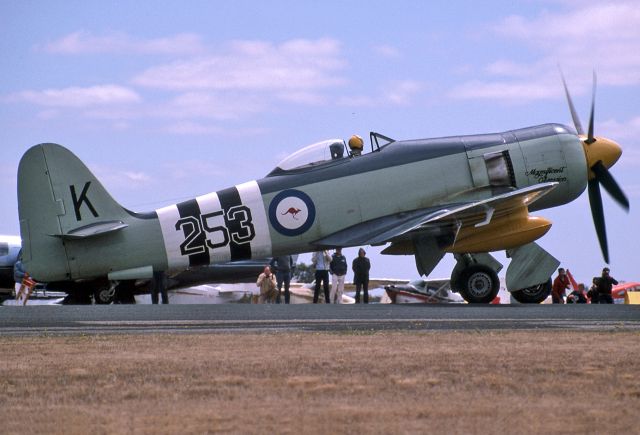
475,277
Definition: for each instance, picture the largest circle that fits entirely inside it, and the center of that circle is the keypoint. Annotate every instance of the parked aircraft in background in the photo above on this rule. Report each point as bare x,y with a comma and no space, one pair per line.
423,291
466,195
9,250
619,292
206,294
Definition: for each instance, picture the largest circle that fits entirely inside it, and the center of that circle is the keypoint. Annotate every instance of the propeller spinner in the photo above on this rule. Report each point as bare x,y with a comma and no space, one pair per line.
601,154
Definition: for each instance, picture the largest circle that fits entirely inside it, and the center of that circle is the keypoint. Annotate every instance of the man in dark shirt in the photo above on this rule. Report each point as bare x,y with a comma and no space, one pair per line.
283,266
361,266
605,283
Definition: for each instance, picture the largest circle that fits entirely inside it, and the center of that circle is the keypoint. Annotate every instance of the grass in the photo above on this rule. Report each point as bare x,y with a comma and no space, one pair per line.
315,382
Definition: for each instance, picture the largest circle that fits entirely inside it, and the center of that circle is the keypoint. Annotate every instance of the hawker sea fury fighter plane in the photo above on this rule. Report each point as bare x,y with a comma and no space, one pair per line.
466,195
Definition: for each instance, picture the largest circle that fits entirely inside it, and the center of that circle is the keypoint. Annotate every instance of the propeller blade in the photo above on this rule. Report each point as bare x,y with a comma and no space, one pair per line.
595,200
574,114
590,138
604,177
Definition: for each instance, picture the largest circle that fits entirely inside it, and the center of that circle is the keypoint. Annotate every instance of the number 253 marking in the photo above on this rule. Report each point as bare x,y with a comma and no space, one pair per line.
215,230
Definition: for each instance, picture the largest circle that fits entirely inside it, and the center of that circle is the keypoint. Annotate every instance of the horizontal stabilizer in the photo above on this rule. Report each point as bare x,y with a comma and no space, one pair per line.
92,230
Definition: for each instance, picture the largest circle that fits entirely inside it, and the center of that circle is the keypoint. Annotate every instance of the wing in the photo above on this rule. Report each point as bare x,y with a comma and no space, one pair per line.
455,222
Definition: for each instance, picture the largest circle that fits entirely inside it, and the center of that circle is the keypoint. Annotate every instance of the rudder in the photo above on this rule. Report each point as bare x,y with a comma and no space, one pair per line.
58,198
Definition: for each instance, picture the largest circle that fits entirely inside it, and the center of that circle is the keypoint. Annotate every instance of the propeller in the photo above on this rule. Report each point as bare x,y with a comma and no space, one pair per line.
601,154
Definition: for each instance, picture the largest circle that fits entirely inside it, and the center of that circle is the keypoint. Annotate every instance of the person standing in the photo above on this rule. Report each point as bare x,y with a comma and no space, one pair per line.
605,284
18,276
592,294
321,260
338,268
159,287
24,283
560,284
283,266
361,266
267,283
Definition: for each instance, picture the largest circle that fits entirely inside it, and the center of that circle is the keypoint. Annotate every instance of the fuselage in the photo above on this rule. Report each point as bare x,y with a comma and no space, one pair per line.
288,210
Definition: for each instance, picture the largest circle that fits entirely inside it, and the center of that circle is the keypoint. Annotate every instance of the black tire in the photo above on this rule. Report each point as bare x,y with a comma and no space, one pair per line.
478,284
102,295
533,295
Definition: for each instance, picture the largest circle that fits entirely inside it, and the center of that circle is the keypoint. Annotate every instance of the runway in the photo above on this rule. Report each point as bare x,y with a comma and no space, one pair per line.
114,319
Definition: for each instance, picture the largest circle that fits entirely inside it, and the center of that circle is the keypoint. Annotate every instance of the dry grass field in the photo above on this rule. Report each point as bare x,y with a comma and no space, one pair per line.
305,382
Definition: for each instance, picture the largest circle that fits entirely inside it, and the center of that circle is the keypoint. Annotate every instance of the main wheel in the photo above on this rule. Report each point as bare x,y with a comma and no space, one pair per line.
478,284
533,295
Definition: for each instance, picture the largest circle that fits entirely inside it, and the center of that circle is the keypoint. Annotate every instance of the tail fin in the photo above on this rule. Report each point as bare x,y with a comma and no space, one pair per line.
58,199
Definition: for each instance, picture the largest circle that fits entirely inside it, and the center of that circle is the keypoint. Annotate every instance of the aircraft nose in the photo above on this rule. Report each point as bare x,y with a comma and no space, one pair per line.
602,149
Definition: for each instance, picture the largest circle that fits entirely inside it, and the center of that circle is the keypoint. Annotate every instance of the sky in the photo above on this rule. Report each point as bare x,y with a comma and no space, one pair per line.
168,100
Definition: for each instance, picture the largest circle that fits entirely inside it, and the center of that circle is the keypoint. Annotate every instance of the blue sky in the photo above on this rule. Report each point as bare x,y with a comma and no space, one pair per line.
168,100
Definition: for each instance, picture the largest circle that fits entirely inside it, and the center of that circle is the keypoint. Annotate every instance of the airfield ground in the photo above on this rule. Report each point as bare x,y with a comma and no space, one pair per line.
322,382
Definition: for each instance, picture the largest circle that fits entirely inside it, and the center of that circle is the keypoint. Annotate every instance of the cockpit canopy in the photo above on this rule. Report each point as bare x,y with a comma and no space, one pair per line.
322,153
315,154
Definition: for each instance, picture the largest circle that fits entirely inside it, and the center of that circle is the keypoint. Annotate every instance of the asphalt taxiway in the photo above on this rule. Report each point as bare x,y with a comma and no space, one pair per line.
102,319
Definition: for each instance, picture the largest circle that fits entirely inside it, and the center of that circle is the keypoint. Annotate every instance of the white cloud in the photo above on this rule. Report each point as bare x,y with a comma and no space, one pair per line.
303,97
294,65
386,50
193,169
402,92
356,101
512,91
604,36
48,114
120,43
117,178
210,105
398,93
508,68
79,97
629,130
191,128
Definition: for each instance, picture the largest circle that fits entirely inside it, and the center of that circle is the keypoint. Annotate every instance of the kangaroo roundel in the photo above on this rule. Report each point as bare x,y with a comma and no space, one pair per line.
292,212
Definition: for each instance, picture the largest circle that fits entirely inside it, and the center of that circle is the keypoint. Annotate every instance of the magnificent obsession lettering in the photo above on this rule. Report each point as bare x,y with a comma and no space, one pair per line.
548,174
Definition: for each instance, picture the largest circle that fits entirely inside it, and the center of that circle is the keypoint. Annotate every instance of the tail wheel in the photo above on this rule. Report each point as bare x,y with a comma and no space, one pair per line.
478,284
104,294
533,295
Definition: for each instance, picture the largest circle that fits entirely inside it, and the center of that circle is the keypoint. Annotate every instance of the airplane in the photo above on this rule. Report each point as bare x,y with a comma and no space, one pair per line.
465,195
422,291
9,250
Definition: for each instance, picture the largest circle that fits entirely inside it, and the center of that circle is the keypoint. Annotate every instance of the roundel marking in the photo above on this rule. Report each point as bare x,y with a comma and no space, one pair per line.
292,212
